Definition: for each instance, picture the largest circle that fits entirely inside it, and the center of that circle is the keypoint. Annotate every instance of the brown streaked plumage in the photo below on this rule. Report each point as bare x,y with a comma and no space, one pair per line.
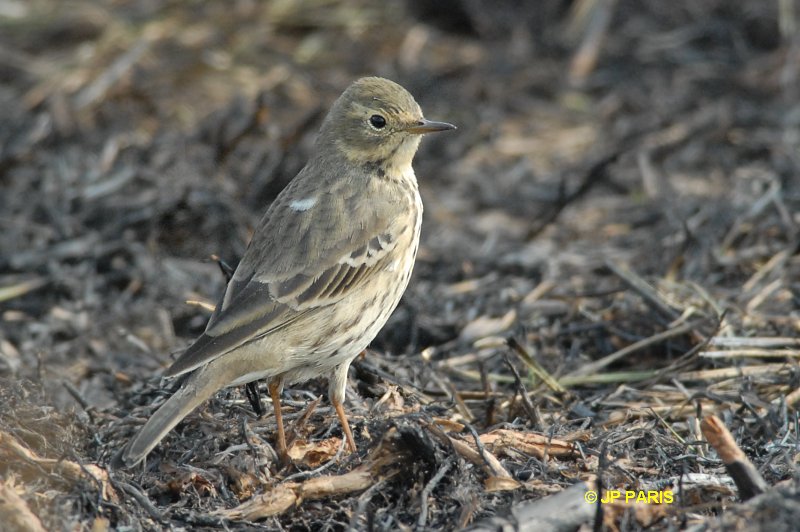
326,267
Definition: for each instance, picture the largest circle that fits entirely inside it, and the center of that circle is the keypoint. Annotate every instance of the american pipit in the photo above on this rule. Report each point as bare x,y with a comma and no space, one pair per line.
326,267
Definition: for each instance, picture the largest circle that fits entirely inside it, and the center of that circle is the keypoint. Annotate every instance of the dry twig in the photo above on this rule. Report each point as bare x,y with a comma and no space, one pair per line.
741,469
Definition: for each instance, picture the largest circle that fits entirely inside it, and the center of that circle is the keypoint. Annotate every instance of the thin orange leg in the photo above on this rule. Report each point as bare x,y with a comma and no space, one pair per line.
345,425
275,393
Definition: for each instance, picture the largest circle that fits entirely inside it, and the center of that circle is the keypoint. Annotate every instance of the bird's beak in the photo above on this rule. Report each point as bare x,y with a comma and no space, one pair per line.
428,126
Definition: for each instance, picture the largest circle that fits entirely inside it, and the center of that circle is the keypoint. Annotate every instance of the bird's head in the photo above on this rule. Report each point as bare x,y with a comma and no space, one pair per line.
376,121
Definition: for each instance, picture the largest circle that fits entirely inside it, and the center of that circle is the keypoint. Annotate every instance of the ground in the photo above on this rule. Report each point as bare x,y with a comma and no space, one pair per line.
609,267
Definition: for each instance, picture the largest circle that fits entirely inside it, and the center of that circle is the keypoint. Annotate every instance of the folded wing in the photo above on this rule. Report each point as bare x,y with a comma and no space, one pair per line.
274,291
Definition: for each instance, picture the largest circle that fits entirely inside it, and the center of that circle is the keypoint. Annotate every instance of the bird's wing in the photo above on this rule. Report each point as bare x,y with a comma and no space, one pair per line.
298,261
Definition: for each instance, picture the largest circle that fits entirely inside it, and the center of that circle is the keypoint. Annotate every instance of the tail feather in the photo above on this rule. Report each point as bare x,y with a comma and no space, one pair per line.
200,385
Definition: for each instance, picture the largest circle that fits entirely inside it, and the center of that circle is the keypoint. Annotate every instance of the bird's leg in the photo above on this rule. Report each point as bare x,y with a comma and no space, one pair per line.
275,393
345,425
254,396
337,386
224,267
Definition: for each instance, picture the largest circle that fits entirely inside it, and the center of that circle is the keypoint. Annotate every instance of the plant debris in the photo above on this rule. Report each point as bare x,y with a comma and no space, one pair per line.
606,299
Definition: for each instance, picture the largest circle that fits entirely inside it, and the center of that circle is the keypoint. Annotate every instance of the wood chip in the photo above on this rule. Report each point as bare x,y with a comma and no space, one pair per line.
503,441
485,326
11,449
15,514
283,497
314,454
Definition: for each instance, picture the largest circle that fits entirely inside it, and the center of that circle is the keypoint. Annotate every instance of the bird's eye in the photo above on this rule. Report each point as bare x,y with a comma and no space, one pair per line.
377,121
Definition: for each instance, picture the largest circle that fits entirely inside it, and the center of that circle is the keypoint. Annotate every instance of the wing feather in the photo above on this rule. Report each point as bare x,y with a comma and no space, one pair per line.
289,271
251,316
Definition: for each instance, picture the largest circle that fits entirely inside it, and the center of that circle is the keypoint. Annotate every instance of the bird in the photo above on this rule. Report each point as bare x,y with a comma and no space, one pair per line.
325,268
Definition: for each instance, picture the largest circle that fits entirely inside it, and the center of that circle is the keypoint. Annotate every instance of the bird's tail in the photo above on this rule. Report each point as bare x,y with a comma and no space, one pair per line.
200,385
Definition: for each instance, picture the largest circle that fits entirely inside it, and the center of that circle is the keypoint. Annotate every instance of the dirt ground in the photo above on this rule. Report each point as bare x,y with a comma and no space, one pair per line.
609,269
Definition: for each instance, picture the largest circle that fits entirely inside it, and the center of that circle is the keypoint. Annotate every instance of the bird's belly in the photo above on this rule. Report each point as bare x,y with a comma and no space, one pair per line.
349,331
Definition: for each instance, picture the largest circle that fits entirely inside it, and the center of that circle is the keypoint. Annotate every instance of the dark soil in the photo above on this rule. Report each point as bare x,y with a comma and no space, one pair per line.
646,197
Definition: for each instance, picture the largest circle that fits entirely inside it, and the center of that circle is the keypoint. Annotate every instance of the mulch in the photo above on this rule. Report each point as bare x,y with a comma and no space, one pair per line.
607,294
